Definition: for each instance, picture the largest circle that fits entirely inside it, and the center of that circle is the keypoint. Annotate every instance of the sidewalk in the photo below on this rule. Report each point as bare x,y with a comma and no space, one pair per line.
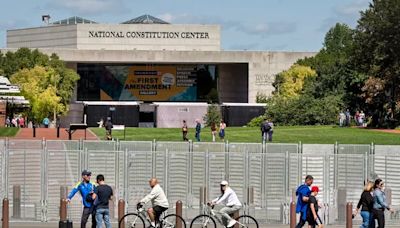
114,225
51,134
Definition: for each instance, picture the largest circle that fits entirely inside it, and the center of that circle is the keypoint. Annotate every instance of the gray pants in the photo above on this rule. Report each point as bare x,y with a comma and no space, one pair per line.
225,211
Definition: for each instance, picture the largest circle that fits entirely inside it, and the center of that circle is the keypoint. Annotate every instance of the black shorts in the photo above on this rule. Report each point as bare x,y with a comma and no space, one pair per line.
158,210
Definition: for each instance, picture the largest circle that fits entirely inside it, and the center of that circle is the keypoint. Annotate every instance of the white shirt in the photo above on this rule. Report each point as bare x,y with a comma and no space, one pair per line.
229,198
157,197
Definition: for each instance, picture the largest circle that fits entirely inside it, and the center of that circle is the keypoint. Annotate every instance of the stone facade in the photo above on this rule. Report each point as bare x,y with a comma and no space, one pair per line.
119,37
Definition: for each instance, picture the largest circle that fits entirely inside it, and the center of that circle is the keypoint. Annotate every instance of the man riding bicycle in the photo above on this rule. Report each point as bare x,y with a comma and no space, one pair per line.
158,200
230,200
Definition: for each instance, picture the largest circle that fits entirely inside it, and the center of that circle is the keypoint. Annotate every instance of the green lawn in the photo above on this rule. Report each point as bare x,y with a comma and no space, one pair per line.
305,134
8,131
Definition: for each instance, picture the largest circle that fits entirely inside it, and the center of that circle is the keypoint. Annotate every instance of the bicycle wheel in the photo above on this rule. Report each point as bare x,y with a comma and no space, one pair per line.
203,221
173,221
131,220
246,221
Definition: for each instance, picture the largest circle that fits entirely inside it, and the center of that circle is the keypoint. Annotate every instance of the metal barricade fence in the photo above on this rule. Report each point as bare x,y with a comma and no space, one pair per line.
263,176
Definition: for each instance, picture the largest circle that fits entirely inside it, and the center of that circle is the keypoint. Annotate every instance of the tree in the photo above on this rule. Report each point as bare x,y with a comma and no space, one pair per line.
213,115
377,56
61,78
289,83
334,74
38,86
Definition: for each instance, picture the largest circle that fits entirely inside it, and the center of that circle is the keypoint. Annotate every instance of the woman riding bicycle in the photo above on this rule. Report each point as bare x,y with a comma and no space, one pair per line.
230,200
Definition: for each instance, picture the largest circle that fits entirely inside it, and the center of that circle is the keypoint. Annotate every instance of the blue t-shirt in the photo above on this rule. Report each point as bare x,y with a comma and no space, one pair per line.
302,190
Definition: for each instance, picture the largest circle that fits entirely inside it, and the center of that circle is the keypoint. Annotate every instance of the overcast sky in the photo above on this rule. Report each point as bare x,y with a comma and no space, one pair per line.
276,25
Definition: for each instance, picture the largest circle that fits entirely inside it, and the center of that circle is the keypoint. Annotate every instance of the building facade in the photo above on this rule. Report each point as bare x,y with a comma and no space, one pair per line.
148,60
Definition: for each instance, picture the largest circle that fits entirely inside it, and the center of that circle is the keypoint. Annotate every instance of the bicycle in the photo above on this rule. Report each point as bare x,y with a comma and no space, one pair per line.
208,220
137,220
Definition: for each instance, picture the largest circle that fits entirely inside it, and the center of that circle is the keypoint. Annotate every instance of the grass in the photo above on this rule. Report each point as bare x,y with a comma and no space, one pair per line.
292,134
8,131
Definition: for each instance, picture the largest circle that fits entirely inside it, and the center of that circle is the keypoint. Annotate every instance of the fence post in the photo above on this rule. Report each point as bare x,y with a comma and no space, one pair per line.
178,222
121,212
292,214
5,214
63,210
17,201
349,215
341,202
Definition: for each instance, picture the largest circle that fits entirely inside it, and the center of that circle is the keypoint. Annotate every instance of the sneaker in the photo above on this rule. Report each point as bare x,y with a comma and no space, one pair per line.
231,223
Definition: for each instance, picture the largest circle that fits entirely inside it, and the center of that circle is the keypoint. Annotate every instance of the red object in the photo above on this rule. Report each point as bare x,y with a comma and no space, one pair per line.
314,189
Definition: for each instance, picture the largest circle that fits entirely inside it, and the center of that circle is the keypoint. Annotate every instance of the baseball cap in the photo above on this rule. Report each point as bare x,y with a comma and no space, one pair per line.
314,189
224,182
86,173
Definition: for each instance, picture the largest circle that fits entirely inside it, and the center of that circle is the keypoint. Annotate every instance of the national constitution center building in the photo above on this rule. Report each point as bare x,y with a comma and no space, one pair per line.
167,72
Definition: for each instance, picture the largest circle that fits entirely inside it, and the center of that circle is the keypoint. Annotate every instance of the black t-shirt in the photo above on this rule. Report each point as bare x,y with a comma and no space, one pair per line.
104,193
312,200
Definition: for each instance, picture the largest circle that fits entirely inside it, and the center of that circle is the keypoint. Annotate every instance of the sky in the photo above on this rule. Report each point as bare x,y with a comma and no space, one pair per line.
267,25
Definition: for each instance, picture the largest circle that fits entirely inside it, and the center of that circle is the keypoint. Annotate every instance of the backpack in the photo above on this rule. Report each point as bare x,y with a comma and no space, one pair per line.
266,127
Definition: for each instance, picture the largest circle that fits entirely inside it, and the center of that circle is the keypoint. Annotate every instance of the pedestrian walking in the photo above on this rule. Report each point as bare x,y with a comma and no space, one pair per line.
185,131
213,131
108,126
303,194
198,130
380,204
366,204
221,133
86,189
270,132
348,117
312,212
46,122
103,194
265,127
342,119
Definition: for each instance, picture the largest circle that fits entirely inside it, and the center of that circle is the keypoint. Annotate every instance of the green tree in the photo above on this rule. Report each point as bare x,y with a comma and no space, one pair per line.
334,74
61,78
213,115
377,56
38,86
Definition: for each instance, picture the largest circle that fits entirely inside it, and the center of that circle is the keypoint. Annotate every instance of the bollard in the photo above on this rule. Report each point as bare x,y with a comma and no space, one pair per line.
17,201
292,215
236,216
34,130
5,214
121,212
63,210
178,223
349,215
58,131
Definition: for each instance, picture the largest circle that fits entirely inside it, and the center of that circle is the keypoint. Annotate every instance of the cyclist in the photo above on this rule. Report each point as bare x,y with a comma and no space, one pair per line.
230,200
158,200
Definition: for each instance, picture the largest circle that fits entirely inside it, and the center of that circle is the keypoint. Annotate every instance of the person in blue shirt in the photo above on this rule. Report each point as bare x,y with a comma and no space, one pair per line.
303,193
380,204
86,189
198,129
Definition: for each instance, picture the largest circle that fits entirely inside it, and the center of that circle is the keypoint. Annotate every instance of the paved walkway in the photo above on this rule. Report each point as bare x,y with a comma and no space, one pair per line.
54,224
51,134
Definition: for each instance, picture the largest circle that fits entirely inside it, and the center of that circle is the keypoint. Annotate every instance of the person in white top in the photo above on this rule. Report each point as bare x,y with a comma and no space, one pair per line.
231,202
158,200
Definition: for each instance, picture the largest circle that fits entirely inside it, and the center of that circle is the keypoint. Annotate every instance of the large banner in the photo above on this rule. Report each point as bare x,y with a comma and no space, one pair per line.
161,83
